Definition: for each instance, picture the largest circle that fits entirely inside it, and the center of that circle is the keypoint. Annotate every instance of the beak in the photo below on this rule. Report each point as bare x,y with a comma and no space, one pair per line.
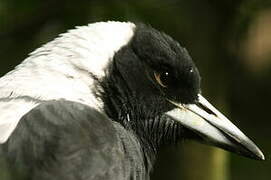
214,128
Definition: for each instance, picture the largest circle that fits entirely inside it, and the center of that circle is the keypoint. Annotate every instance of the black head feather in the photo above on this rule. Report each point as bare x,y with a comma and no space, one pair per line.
132,94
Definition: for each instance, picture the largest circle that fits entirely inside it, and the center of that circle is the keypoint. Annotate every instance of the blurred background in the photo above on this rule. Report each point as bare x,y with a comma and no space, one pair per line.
230,41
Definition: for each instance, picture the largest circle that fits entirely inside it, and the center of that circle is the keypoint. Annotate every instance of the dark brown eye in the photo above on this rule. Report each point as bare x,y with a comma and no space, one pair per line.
162,78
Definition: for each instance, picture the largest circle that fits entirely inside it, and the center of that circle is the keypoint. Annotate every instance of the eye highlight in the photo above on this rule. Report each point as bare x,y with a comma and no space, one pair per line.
162,78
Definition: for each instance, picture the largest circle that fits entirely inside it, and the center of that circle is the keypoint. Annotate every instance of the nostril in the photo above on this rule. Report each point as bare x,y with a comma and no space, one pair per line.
206,109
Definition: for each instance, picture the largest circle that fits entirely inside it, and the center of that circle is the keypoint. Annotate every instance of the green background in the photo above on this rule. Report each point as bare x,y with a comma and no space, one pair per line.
230,41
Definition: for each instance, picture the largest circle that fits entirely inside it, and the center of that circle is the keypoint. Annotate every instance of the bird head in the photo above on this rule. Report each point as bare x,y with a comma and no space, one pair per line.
136,75
153,87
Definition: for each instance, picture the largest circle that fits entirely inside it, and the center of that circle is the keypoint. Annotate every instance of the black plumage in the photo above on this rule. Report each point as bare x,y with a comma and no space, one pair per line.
150,88
68,140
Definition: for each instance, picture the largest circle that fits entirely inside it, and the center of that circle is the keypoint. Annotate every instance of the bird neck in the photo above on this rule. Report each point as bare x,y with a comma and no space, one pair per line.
155,132
151,129
123,105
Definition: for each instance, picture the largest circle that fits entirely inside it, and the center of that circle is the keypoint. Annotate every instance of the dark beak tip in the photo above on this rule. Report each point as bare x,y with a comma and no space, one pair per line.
256,155
251,150
260,156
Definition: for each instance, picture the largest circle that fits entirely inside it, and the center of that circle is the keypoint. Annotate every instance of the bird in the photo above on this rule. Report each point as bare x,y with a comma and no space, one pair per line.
98,101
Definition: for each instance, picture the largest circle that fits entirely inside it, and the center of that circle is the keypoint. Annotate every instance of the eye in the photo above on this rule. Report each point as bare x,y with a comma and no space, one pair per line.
162,78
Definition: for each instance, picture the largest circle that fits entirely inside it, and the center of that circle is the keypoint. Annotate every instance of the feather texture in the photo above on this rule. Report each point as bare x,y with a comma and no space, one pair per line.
61,69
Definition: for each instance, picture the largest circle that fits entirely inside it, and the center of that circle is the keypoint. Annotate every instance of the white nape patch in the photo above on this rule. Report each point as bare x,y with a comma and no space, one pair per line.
9,121
61,70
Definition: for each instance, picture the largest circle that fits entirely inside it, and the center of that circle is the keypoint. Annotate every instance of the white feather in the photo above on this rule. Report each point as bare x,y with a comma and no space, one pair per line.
60,70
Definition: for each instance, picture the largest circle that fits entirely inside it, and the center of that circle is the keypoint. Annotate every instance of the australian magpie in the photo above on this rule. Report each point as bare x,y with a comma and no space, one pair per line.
97,102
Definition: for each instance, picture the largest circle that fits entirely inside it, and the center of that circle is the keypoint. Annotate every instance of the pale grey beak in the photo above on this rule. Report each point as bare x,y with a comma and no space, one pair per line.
214,127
